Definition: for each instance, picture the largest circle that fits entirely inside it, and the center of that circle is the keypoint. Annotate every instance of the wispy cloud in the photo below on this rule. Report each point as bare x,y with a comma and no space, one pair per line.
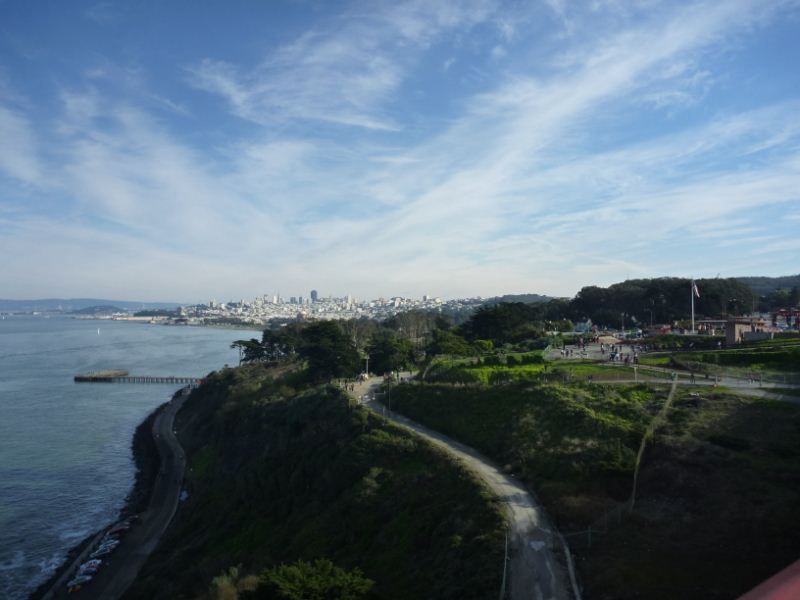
19,156
344,73
543,176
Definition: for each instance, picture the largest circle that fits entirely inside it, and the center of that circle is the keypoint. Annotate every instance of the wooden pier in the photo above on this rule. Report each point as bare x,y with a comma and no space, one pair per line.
124,377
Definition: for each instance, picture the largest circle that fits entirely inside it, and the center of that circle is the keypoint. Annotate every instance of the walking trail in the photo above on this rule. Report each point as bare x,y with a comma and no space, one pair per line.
535,572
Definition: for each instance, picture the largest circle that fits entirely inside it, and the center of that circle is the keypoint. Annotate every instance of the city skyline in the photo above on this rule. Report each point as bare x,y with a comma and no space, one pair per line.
185,151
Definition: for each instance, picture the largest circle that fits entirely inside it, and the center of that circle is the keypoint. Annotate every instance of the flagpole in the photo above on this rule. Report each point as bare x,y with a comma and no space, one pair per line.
691,294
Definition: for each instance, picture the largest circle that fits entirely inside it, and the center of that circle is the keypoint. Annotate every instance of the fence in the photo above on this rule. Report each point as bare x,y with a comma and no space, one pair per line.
613,517
744,375
505,571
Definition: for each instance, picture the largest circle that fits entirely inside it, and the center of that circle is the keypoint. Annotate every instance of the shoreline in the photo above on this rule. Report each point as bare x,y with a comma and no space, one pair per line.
146,461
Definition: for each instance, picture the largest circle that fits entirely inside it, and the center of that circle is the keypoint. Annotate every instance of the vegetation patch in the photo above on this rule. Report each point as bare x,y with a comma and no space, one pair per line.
278,474
770,358
718,494
718,486
575,444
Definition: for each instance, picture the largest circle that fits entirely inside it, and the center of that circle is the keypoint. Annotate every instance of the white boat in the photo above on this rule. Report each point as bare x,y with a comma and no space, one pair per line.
79,580
96,562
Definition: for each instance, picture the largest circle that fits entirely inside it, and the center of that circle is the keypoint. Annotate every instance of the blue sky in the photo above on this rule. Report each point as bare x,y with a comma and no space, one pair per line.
189,150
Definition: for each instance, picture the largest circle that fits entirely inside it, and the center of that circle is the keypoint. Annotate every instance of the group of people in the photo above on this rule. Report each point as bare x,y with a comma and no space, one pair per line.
568,352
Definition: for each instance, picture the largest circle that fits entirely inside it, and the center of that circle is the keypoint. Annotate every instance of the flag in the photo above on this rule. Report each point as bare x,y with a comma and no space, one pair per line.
695,290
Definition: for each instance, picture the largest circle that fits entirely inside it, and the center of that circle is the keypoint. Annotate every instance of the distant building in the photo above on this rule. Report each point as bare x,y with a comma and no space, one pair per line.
711,326
314,296
746,329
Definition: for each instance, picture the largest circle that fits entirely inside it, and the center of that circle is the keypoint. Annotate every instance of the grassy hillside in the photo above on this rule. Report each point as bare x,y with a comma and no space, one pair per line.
276,475
718,490
575,444
758,359
524,367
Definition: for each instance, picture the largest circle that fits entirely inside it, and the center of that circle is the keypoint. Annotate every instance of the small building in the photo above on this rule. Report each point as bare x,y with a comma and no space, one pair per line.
746,329
711,326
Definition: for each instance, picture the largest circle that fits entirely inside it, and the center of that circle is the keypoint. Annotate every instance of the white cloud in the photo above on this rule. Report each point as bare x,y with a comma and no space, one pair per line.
341,74
18,152
522,189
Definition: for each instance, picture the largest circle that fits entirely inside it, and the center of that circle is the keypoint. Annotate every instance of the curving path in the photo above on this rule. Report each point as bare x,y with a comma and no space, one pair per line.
535,572
121,566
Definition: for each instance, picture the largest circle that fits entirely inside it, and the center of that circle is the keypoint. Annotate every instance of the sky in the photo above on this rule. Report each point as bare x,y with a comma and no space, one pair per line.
189,150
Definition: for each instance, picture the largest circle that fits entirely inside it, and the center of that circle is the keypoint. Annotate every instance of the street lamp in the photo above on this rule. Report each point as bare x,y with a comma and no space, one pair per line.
366,368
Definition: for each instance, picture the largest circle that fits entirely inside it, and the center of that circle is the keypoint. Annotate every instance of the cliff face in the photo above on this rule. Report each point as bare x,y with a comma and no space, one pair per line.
278,473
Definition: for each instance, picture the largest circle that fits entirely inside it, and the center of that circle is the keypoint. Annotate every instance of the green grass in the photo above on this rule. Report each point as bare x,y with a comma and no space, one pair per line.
583,369
783,359
718,488
719,492
471,371
778,341
564,439
517,373
655,360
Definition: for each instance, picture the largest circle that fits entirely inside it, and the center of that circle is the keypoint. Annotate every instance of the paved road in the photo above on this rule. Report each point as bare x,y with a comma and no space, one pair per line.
122,565
535,573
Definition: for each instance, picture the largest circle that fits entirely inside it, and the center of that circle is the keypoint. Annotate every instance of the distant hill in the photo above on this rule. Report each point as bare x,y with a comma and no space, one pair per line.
72,304
103,309
524,298
764,285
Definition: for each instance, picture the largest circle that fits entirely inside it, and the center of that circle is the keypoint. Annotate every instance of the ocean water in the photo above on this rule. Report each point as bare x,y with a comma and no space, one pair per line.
65,448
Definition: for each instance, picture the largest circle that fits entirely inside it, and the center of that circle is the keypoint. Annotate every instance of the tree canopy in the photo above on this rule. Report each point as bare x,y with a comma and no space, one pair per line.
318,580
328,351
389,351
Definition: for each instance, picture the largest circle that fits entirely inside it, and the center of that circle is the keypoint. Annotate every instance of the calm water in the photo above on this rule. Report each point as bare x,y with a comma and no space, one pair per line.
65,448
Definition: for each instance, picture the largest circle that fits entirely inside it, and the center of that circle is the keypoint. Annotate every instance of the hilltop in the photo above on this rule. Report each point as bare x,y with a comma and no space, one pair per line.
74,304
280,472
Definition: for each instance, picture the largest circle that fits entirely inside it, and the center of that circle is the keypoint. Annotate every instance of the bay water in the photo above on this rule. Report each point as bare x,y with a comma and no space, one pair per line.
66,465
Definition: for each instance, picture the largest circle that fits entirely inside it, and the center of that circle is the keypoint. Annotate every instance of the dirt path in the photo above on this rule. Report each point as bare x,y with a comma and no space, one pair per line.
535,573
121,566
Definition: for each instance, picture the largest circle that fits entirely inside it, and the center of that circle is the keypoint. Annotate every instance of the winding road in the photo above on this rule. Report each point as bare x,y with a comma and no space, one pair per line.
535,572
121,566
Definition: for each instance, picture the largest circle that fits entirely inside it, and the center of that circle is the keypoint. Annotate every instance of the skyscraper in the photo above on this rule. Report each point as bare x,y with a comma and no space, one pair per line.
314,295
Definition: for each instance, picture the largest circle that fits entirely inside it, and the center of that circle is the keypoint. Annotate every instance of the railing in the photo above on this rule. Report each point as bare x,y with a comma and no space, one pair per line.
137,379
742,374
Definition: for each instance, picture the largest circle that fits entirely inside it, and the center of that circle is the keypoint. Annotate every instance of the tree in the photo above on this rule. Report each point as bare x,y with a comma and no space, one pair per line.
794,297
359,330
416,325
249,350
328,352
280,345
504,322
320,580
448,342
483,346
389,352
